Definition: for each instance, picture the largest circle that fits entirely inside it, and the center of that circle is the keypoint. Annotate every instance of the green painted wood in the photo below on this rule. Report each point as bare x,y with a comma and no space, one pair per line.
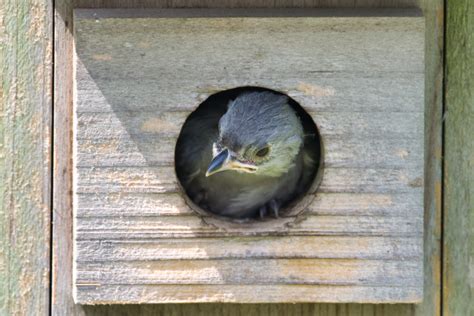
433,11
458,244
25,150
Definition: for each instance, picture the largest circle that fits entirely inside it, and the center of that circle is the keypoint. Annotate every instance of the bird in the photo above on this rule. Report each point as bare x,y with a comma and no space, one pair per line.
247,159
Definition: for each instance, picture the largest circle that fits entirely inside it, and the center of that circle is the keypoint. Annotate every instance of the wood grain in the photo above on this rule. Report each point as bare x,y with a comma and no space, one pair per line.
124,142
342,272
63,304
434,65
62,247
458,243
143,204
371,248
25,156
239,293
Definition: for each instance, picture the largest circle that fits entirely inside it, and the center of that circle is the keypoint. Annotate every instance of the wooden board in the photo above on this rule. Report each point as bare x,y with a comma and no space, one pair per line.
134,89
62,302
433,231
458,243
123,109
25,156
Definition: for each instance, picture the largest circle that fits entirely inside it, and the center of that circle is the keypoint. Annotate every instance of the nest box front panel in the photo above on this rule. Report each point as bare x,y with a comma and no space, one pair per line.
139,74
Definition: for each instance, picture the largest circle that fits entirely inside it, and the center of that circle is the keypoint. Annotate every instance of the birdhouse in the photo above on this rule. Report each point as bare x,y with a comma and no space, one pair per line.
356,232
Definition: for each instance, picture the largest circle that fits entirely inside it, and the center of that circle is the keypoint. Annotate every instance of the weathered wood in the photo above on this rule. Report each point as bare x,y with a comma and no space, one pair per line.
458,242
141,126
193,226
257,248
62,246
315,97
102,141
143,204
161,180
134,91
240,293
25,150
252,272
391,152
433,10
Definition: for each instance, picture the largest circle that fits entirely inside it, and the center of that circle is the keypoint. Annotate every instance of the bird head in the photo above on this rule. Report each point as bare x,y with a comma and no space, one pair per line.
259,134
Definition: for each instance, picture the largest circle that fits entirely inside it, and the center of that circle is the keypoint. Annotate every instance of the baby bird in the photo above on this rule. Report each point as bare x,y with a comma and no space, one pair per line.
245,163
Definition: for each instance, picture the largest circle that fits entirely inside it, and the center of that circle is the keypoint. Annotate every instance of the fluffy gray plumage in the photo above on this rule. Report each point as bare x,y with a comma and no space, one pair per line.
262,140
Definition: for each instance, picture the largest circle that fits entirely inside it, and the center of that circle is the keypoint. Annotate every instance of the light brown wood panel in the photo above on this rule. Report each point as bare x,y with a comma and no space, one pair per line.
113,73
434,12
95,229
341,272
238,293
25,156
239,248
63,304
162,180
62,247
143,204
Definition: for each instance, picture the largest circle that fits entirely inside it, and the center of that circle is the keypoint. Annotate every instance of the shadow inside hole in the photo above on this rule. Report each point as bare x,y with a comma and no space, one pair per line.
211,110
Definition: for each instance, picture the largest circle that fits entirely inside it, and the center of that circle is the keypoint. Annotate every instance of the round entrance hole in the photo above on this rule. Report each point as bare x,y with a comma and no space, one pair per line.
249,154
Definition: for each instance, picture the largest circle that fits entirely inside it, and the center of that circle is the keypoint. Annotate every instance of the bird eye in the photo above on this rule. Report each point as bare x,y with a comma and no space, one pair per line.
262,152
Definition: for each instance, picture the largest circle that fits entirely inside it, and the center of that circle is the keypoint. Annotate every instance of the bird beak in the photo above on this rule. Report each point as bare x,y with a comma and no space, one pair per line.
226,161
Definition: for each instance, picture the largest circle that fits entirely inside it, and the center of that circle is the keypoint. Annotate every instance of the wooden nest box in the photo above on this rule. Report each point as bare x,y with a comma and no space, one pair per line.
139,74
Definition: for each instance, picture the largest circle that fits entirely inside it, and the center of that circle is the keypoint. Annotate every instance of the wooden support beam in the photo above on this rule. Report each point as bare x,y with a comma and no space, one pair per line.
25,156
458,243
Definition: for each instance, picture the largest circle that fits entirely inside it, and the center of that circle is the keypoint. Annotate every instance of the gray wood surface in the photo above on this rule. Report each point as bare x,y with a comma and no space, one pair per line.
62,218
25,156
136,84
433,229
62,301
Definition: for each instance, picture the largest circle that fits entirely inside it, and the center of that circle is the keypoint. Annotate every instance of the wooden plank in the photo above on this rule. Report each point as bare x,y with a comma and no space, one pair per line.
347,272
193,226
458,242
137,124
25,150
111,250
350,152
433,11
107,77
378,96
162,180
62,246
106,143
238,293
342,204
434,51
